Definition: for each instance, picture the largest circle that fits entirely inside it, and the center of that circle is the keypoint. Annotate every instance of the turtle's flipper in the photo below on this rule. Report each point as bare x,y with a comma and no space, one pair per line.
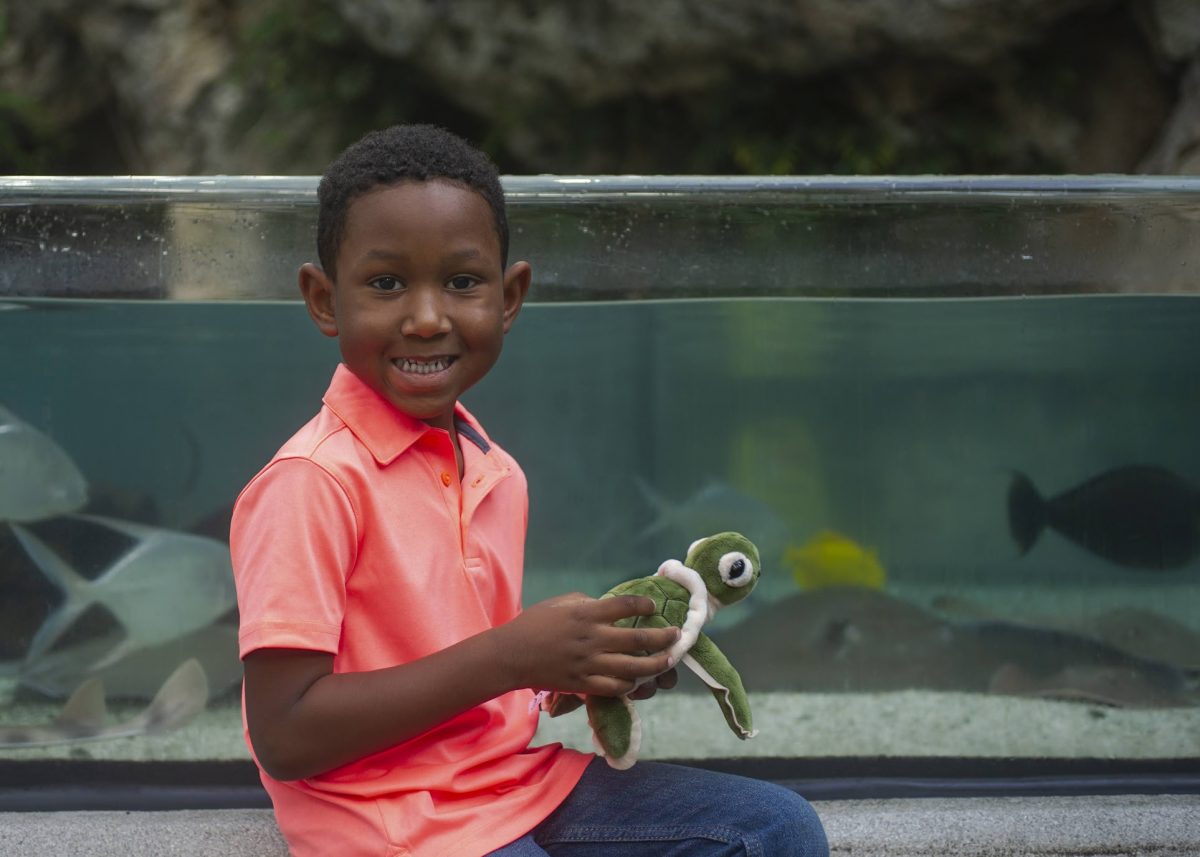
616,729
714,669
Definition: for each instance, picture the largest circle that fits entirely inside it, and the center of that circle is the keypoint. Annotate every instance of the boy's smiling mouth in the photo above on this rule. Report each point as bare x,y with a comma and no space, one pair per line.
424,365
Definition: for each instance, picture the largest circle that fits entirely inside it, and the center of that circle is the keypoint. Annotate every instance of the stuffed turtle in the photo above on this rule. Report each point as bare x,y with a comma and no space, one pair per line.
718,571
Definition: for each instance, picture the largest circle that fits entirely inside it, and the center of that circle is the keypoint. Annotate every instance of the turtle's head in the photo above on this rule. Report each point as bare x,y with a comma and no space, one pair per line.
729,564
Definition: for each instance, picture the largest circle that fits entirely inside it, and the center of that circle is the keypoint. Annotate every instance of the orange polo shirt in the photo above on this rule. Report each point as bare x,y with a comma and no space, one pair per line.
358,539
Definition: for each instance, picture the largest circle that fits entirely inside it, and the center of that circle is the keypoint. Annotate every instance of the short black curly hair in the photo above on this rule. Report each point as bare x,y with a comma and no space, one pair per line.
393,155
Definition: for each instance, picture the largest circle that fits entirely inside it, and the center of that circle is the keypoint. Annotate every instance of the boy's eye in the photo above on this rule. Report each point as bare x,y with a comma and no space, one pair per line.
461,282
387,284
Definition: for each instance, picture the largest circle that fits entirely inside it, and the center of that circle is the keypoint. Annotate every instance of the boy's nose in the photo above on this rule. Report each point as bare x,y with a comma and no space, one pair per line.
425,316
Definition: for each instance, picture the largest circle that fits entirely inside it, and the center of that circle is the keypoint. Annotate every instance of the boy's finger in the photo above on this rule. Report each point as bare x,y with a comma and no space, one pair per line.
636,640
603,685
655,639
665,681
624,606
633,667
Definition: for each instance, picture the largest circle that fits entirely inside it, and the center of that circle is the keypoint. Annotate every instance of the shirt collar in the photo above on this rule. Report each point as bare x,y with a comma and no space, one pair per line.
384,430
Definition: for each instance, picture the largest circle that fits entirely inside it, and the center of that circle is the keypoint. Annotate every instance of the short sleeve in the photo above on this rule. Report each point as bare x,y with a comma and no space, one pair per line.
293,541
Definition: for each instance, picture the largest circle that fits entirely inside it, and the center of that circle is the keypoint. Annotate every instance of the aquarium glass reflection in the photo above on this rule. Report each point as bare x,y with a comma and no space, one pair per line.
958,417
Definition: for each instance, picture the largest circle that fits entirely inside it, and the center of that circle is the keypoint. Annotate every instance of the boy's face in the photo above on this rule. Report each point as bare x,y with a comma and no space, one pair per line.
421,302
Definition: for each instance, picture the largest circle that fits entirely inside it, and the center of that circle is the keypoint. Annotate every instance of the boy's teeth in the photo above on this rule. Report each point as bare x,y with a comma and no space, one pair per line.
424,367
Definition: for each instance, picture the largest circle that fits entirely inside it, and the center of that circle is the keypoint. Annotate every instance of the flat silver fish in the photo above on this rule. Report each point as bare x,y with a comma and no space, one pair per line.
1114,686
139,674
866,640
1146,634
37,478
85,716
167,585
717,507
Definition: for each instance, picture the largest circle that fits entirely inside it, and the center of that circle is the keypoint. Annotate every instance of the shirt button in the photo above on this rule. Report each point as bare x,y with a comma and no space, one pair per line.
445,478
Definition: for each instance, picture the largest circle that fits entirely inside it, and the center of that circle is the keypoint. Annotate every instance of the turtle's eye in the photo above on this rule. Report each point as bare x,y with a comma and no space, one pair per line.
736,568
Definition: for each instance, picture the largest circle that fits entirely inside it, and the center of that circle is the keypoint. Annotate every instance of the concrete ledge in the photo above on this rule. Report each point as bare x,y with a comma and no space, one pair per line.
187,833
1105,826
1108,826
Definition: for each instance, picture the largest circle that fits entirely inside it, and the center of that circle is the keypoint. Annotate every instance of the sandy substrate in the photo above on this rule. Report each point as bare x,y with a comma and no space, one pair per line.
906,723
686,725
909,723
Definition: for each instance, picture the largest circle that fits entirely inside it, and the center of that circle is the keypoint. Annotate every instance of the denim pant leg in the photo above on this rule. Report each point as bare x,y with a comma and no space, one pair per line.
675,811
523,847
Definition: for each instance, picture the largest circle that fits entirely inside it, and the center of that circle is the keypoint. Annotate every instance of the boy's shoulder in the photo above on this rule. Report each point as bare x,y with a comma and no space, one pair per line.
325,433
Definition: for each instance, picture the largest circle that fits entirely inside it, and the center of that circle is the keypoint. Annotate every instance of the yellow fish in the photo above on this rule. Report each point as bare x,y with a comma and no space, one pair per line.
831,559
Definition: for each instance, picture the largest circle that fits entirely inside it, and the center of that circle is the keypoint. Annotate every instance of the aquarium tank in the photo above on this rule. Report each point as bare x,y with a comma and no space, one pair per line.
959,417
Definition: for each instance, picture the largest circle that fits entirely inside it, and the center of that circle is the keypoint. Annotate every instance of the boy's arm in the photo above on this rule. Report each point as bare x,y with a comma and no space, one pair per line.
304,719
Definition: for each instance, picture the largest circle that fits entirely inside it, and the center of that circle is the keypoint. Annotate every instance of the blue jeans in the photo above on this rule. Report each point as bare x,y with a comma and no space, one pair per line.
659,810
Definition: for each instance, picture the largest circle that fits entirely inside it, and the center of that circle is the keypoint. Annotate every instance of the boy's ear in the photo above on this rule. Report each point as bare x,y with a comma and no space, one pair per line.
516,286
317,289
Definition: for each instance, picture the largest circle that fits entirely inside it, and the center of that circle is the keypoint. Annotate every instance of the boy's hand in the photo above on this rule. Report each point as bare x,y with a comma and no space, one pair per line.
569,643
666,681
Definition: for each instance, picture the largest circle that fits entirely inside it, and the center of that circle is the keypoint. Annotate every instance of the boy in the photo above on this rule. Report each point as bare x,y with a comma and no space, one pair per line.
378,560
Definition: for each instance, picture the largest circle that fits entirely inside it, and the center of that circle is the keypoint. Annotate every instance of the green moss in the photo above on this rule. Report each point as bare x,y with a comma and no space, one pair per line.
29,142
762,124
314,86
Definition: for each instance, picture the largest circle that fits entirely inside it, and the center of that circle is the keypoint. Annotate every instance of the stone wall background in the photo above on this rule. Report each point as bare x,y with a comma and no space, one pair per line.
606,86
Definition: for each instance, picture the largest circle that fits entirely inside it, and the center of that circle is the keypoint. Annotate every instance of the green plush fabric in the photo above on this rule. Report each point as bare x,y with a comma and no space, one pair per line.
726,685
719,570
612,722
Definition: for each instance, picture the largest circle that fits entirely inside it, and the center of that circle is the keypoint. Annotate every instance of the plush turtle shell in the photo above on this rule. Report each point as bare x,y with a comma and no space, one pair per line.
670,601
684,597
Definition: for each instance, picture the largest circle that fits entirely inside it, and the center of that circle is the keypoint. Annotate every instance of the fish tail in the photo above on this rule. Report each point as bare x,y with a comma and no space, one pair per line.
78,594
656,502
1026,512
55,569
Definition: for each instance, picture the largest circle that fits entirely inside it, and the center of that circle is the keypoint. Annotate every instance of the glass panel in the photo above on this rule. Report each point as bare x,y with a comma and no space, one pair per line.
957,416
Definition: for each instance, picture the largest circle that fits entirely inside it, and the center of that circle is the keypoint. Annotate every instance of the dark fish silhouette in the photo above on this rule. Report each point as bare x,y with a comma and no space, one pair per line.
1138,516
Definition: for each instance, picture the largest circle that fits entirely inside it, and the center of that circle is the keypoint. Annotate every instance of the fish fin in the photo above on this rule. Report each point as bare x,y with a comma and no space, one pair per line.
53,566
137,532
113,655
58,572
661,510
1027,512
81,719
85,709
182,696
55,625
